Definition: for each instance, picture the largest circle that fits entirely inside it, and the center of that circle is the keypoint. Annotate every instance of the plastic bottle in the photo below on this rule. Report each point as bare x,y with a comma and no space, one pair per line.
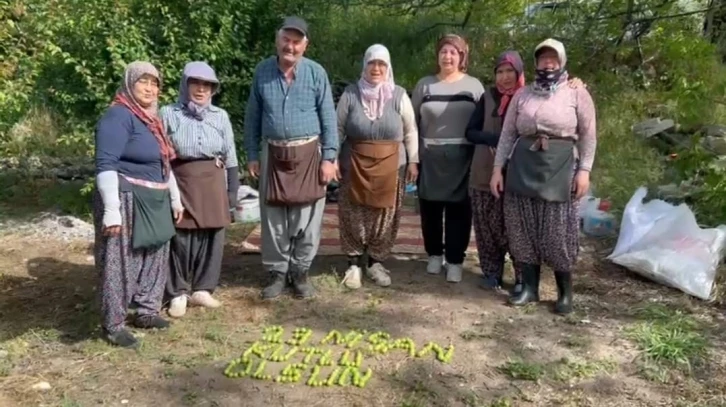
598,221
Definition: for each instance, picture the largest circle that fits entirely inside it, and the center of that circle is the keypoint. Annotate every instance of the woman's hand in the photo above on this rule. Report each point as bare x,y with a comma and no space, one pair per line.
178,215
497,182
113,230
575,83
411,173
581,184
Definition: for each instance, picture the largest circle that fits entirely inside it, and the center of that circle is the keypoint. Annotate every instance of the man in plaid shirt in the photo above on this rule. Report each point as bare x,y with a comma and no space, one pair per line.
290,103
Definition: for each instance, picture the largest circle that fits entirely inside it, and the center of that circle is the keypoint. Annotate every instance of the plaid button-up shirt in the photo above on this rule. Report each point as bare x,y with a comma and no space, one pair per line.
278,111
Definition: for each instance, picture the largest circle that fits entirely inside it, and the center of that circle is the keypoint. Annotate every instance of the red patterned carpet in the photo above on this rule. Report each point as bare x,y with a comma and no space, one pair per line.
409,239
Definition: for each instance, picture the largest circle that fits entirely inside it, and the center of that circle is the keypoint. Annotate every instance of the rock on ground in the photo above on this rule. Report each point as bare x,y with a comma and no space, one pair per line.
50,225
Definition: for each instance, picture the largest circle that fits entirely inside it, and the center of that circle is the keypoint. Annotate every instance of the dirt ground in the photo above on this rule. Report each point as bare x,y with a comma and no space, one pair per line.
503,356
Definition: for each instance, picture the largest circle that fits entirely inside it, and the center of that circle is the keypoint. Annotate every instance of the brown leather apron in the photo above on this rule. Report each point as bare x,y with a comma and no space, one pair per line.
374,172
541,168
293,173
203,189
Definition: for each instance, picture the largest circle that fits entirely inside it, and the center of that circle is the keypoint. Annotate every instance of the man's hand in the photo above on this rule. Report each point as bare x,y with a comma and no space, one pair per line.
254,168
411,173
328,172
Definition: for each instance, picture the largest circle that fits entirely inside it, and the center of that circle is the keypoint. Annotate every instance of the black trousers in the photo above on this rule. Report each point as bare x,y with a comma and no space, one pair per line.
196,261
446,228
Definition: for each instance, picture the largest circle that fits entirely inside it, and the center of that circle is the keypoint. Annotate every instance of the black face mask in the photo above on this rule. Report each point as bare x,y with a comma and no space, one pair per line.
547,79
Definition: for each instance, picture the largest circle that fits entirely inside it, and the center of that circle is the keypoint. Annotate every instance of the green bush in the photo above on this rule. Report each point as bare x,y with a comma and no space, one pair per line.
62,60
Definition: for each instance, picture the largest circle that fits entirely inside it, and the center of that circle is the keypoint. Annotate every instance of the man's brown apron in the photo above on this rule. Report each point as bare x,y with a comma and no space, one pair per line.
541,168
293,173
203,189
374,172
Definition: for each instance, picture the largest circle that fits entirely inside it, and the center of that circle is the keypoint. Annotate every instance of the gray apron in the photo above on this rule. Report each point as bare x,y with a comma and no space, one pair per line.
444,174
541,168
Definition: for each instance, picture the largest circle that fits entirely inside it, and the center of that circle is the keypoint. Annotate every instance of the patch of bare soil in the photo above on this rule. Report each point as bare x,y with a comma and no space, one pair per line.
504,356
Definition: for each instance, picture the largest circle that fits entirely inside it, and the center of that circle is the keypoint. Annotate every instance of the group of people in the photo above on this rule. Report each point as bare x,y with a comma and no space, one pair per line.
510,160
165,181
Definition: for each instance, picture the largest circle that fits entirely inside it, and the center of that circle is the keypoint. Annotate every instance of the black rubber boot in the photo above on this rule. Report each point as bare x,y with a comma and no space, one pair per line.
530,286
564,292
150,322
276,287
517,288
303,288
122,338
490,282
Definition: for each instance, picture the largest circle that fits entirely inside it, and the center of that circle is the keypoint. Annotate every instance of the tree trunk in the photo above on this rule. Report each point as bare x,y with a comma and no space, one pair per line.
714,25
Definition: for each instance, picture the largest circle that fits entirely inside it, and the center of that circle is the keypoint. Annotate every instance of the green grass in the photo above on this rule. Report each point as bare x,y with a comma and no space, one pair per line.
473,400
567,370
563,370
577,341
667,337
419,395
622,161
521,370
23,198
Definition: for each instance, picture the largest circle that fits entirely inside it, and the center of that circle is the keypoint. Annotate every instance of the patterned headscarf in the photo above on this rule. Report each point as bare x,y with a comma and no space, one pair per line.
196,70
546,82
148,115
460,44
374,97
515,60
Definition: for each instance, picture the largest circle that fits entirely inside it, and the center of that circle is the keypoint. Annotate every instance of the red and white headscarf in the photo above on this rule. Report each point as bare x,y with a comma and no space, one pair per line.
148,115
515,60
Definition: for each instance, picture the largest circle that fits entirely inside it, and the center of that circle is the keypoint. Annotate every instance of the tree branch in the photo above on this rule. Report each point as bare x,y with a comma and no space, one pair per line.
670,16
464,22
588,25
655,18
437,25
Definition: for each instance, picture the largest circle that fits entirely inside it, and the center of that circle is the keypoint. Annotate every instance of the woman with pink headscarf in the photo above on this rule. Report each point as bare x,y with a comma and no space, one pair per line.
484,129
379,155
548,145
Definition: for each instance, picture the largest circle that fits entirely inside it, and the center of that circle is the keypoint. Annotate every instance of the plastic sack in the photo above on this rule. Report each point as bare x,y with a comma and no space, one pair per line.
247,209
663,242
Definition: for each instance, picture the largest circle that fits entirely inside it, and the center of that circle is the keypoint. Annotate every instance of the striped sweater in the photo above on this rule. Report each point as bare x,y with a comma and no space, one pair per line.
194,139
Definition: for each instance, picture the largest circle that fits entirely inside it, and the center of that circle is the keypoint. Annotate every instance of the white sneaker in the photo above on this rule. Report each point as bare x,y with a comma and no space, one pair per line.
204,299
379,274
352,277
435,264
178,306
453,272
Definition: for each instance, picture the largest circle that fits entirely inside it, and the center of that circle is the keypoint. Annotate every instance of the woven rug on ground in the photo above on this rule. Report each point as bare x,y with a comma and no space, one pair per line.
409,239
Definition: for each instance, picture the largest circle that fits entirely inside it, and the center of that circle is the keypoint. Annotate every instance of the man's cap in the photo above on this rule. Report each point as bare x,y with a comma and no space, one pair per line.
295,23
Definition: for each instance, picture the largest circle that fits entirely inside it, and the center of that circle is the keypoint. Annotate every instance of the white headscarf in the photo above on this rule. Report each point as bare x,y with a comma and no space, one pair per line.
374,97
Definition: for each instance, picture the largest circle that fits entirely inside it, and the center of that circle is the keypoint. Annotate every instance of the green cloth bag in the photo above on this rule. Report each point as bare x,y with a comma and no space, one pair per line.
153,223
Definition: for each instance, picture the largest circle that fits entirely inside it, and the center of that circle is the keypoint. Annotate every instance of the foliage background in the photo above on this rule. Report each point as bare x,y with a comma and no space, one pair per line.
61,61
